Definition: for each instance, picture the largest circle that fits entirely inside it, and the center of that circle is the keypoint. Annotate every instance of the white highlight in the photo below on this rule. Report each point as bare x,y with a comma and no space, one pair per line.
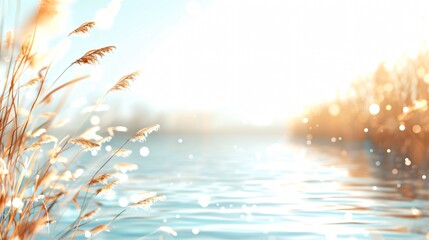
144,151
95,120
17,203
195,230
123,202
374,109
204,200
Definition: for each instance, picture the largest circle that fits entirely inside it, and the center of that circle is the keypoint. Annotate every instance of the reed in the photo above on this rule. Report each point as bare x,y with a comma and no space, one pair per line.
38,178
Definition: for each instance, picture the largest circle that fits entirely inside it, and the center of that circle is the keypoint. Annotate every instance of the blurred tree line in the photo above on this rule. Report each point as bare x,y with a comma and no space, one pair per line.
388,108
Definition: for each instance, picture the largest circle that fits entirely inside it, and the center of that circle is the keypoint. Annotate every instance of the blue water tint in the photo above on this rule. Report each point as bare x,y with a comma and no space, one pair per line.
266,187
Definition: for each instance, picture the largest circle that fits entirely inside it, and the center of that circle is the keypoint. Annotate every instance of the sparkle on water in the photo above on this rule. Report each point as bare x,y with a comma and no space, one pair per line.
266,187
195,230
204,200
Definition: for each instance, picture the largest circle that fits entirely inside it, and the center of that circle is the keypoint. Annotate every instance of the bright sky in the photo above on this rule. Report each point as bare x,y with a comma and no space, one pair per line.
257,60
267,59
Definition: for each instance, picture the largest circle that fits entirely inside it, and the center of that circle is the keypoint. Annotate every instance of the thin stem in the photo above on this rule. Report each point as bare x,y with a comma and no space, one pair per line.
93,176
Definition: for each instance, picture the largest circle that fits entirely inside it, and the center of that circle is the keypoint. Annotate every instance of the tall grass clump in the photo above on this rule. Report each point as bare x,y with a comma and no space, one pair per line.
388,108
40,177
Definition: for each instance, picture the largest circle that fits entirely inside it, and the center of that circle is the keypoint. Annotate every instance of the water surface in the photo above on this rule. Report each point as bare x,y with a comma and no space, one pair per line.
268,187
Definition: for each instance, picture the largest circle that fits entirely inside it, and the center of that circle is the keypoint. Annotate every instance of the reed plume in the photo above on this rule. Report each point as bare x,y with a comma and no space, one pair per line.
125,167
107,188
141,135
85,144
9,40
104,140
124,82
47,139
84,28
111,130
147,202
90,214
32,82
123,152
92,56
41,173
101,179
47,9
100,228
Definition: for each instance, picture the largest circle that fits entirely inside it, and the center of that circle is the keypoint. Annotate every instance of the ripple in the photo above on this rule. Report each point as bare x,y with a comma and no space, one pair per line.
269,189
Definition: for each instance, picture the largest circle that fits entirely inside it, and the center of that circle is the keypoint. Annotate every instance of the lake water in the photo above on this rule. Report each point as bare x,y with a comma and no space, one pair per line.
269,187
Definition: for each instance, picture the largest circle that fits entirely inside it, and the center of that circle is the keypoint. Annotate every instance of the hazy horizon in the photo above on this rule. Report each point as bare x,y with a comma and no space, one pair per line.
257,63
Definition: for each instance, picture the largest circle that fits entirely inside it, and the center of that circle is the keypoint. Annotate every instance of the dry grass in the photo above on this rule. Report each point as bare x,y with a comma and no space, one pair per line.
124,82
147,202
92,56
84,28
141,135
38,179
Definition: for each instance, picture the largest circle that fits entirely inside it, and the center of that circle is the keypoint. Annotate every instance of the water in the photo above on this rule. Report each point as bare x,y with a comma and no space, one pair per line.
267,187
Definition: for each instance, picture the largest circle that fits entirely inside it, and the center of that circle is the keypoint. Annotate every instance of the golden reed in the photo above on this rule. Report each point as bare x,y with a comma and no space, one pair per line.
37,178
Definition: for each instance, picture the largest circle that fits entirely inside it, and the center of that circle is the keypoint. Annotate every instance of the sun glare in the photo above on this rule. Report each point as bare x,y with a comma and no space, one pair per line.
272,60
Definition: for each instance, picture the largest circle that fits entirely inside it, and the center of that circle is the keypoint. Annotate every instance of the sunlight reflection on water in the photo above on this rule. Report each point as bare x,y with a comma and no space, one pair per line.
266,187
